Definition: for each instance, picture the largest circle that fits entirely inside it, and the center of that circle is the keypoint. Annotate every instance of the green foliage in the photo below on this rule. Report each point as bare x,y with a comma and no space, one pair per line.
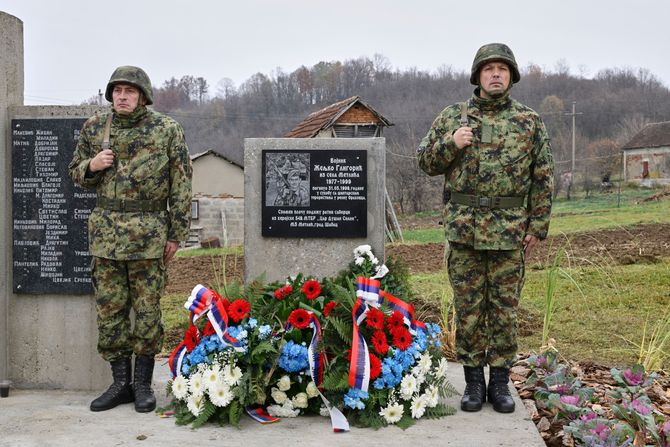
336,381
234,413
406,421
261,350
207,412
343,329
438,411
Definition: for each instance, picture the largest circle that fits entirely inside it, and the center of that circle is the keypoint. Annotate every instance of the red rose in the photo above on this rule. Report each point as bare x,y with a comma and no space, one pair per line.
402,339
299,318
329,307
375,366
396,320
238,309
379,342
374,319
311,289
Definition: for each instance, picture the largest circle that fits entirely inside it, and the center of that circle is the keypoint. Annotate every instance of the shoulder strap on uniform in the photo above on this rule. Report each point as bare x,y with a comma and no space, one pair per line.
108,130
464,113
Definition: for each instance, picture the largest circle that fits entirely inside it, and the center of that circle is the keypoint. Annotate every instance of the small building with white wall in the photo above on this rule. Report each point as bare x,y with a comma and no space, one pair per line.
217,208
646,157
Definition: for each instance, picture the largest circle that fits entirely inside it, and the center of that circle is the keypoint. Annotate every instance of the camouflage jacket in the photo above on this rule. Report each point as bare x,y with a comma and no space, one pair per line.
151,162
515,161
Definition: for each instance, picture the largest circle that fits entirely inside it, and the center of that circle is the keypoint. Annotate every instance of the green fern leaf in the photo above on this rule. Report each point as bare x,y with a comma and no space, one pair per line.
343,329
406,422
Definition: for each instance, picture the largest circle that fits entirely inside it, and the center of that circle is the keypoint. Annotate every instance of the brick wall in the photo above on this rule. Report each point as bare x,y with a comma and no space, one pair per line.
209,218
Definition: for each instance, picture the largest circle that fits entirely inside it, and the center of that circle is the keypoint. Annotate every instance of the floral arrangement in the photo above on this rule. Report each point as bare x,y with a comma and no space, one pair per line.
344,347
631,419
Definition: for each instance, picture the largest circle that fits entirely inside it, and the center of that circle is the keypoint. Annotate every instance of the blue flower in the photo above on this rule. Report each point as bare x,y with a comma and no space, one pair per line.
293,357
264,331
252,323
353,398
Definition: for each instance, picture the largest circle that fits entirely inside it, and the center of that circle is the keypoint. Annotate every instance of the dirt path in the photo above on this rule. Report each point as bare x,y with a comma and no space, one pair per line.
632,245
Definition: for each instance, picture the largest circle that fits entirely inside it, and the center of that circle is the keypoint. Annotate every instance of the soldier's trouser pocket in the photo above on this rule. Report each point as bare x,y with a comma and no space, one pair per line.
147,278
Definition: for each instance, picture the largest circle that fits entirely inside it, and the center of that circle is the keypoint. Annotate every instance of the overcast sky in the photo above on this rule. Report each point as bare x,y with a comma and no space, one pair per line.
72,46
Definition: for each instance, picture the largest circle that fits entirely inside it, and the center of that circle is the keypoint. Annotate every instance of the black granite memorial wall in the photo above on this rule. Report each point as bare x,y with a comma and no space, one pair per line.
50,213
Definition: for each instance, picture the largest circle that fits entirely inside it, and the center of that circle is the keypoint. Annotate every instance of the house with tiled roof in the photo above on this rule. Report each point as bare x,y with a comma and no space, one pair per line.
349,118
646,157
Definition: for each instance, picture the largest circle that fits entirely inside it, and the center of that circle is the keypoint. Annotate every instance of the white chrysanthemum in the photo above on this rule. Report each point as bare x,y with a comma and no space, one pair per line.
363,250
300,400
211,376
408,386
392,413
432,396
425,362
284,383
278,395
220,394
196,385
283,411
195,404
441,369
420,376
374,259
180,387
232,375
359,260
418,407
323,411
312,390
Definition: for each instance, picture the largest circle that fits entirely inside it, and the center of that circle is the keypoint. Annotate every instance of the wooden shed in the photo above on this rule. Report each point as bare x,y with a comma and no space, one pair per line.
349,118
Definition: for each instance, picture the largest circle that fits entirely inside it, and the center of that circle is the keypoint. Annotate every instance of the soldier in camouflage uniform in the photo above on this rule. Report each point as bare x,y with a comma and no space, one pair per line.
138,163
496,159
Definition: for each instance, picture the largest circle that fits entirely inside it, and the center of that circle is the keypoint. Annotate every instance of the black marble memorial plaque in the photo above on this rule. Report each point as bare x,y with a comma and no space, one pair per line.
314,193
50,239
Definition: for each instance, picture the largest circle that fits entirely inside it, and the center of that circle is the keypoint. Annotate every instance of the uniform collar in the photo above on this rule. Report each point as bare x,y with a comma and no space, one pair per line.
127,121
491,105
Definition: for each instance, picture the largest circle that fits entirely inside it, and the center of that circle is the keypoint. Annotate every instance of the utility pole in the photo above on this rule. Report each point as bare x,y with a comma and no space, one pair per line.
572,169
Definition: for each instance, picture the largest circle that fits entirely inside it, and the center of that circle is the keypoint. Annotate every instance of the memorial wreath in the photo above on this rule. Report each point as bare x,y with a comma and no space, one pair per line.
345,347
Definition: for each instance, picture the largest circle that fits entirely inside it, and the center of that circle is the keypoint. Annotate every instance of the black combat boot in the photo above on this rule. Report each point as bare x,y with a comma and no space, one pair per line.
475,388
498,391
145,401
120,392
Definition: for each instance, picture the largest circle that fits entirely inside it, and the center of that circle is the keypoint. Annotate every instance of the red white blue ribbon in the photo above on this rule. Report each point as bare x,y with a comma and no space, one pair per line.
219,318
260,415
176,359
200,301
407,310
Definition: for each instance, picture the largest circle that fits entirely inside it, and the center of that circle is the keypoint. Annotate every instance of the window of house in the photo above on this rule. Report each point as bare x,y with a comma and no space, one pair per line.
195,208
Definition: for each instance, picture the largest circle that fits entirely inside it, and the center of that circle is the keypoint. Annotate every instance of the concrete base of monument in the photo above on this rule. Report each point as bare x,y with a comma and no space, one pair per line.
62,418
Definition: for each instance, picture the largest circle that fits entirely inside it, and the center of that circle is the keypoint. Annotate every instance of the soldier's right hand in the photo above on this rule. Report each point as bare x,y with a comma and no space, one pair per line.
103,160
463,137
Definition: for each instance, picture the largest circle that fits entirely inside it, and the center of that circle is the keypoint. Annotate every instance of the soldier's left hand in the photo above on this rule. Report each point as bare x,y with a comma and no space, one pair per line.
170,249
528,244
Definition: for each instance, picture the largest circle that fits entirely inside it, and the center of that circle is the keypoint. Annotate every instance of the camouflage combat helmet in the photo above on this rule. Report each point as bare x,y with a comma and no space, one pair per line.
128,74
494,52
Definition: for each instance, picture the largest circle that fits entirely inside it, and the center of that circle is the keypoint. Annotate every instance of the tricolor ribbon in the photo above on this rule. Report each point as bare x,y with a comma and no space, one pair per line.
260,415
316,366
200,301
219,318
177,358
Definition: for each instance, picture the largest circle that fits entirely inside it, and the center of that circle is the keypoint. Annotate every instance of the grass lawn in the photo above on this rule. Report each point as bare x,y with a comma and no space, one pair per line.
600,211
601,320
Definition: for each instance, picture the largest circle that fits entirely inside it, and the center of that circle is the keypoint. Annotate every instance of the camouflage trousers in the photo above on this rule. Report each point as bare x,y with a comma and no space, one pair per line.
119,287
487,285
